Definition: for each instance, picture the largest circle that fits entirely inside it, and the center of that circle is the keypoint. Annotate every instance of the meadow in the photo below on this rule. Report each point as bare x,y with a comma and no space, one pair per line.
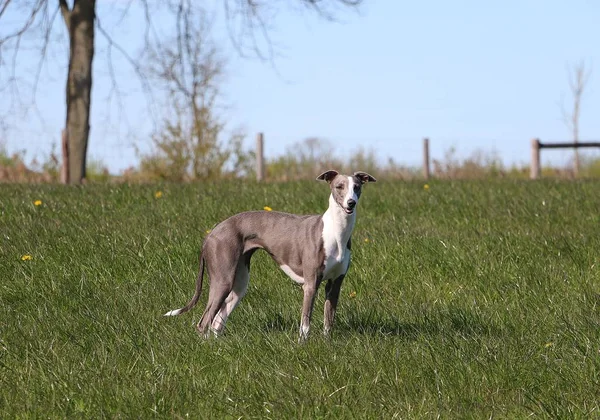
471,299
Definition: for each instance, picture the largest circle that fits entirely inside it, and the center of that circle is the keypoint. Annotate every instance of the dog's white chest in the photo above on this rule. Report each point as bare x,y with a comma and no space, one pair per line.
334,268
336,234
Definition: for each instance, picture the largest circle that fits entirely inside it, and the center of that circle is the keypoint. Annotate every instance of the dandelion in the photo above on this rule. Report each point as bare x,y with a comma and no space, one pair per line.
26,257
267,208
208,231
548,345
352,294
367,240
37,203
426,187
158,194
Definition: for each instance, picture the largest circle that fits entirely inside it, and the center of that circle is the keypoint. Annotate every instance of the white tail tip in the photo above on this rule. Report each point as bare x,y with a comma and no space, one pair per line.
173,312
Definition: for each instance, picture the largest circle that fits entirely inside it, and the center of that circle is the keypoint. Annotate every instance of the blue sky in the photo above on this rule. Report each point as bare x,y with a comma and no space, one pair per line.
467,74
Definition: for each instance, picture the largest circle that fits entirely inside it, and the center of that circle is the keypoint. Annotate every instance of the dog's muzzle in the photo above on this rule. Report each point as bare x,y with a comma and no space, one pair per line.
350,205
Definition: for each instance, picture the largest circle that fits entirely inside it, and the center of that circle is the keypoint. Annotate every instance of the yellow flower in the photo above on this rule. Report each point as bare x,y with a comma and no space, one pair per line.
367,240
267,208
208,231
548,345
37,203
26,257
426,187
352,294
158,194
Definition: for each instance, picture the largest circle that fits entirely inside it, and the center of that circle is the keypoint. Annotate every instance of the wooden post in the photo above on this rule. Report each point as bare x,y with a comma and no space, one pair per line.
260,163
535,159
426,169
64,170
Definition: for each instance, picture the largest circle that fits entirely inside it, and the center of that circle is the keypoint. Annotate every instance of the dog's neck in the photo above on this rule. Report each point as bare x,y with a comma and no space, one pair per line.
337,227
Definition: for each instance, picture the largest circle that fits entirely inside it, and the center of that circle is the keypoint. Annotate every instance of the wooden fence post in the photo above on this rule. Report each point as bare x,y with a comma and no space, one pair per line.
64,170
260,163
426,169
535,159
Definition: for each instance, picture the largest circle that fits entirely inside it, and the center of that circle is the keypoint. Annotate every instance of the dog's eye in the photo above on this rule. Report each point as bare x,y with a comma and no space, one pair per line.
339,187
356,187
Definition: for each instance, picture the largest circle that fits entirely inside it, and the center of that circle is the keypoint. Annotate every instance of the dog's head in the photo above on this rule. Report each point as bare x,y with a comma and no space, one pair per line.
346,189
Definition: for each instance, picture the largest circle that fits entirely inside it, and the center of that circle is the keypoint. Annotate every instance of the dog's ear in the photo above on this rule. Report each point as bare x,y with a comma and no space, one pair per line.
364,177
328,176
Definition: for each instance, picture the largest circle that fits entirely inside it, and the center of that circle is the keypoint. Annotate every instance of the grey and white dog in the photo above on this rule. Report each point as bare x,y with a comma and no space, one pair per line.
309,249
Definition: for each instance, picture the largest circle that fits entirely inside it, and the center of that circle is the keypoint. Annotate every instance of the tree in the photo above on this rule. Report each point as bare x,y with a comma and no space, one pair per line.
189,144
578,79
79,20
247,20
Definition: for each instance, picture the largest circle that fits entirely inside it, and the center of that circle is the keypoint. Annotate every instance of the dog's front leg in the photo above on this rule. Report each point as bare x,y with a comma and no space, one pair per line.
332,294
310,291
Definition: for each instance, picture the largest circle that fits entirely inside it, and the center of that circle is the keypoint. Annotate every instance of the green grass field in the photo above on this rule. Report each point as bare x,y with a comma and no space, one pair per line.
468,299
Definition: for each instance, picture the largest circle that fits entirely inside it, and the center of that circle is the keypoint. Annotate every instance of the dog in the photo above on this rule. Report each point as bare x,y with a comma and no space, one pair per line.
308,248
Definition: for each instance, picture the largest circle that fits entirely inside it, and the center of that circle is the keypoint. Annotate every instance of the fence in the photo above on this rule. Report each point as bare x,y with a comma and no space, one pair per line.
260,159
535,169
537,146
591,168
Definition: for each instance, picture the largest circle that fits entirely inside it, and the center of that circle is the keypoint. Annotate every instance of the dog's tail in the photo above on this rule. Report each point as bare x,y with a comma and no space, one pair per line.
196,296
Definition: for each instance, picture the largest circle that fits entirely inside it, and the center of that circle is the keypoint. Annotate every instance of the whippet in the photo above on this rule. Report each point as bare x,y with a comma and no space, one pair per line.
309,249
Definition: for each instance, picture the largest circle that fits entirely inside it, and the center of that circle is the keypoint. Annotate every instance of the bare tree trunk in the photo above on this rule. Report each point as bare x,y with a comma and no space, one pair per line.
577,83
576,163
64,168
577,92
80,24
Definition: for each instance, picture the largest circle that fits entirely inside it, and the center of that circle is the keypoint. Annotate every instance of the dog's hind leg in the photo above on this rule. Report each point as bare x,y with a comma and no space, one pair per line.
216,299
222,278
240,287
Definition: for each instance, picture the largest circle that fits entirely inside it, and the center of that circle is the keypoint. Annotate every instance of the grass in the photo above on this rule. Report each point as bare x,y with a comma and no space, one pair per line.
471,299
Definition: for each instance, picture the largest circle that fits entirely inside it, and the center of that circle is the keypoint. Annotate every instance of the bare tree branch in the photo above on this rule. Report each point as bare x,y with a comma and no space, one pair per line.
44,51
251,20
28,23
247,21
4,7
38,18
124,13
66,13
135,66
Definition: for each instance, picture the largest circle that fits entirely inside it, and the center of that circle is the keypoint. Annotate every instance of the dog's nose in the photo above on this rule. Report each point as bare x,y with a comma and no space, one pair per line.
351,203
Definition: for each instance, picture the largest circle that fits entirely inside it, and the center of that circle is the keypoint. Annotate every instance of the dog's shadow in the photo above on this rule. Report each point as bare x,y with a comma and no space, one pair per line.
464,322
